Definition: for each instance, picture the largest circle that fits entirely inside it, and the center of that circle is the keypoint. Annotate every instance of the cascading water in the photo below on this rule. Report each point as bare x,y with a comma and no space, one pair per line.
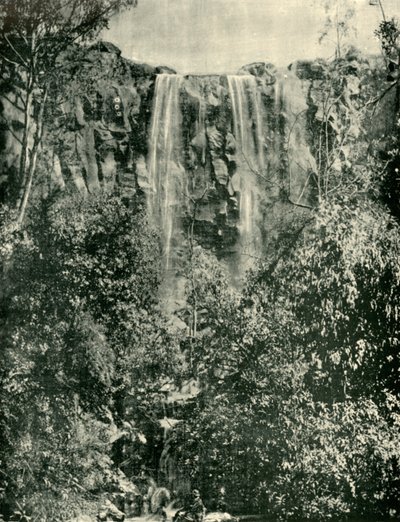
248,132
166,175
170,188
247,118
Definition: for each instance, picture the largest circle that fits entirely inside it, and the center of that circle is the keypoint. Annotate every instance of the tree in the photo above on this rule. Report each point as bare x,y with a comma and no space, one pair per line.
389,35
33,36
260,427
338,16
84,349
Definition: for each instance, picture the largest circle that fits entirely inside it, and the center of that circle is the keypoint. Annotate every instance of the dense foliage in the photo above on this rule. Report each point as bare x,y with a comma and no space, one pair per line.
80,334
297,414
298,417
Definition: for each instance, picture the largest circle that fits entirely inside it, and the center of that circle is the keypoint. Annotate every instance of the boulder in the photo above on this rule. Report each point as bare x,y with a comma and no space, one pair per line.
219,516
109,511
106,47
309,69
160,499
265,70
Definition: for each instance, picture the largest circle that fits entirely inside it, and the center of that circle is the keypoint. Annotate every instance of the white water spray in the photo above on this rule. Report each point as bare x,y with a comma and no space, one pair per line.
248,131
166,175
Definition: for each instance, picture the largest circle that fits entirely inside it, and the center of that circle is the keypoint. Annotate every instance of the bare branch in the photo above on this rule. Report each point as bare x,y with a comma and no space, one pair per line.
382,11
13,103
24,63
73,9
382,95
22,36
13,134
253,170
10,61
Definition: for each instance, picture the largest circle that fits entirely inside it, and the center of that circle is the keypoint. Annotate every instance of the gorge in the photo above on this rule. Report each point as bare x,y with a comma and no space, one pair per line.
200,293
230,153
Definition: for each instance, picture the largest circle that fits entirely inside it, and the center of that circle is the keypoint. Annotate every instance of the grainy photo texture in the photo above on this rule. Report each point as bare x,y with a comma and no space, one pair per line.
199,260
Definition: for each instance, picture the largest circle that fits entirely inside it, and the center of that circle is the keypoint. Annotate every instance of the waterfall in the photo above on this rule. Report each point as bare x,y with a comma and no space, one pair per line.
166,175
248,132
168,184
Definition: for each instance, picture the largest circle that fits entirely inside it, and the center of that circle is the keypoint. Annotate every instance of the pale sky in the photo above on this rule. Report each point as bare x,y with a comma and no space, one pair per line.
219,36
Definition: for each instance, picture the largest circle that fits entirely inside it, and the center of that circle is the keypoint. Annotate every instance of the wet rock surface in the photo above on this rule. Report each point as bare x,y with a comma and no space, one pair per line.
218,516
234,157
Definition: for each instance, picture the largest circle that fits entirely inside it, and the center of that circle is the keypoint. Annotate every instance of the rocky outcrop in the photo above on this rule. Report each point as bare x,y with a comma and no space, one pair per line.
109,511
104,130
245,156
218,516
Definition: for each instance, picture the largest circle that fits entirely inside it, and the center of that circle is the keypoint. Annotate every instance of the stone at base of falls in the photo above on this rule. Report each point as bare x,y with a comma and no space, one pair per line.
218,516
109,511
159,500
129,499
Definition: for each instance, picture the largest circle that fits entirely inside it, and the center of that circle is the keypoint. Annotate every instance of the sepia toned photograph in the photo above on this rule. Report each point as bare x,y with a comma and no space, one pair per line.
199,260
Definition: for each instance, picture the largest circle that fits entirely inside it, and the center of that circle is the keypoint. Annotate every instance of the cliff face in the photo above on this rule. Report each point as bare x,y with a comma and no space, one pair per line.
103,132
231,158
228,158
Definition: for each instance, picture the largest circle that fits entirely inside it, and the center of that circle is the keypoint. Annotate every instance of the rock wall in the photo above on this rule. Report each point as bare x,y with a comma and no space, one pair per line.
103,139
225,177
246,159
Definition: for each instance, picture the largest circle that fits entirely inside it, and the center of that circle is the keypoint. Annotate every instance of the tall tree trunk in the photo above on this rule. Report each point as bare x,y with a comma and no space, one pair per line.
37,140
397,109
25,137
